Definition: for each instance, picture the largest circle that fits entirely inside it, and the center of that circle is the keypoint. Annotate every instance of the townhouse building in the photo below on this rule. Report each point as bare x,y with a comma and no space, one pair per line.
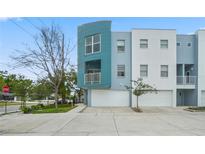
107,61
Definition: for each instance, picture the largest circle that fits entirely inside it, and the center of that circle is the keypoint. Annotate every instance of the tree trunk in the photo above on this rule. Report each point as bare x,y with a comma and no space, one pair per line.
137,103
63,98
56,98
79,99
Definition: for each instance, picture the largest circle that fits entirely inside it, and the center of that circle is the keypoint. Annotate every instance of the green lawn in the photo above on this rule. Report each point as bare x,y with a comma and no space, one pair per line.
51,109
196,109
2,103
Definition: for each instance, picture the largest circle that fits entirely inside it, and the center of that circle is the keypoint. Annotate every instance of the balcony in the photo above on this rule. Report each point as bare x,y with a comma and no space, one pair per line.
92,78
186,82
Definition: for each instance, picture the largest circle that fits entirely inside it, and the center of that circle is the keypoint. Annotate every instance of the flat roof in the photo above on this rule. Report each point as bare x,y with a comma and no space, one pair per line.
94,22
151,29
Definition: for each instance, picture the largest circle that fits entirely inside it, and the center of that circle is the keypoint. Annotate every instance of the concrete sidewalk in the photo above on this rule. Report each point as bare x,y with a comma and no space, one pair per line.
106,121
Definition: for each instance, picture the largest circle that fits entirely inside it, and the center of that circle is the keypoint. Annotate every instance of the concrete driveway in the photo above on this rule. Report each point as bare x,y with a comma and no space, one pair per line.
106,121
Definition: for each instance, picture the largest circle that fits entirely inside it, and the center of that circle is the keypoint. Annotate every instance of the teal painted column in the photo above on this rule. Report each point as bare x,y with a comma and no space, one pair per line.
104,29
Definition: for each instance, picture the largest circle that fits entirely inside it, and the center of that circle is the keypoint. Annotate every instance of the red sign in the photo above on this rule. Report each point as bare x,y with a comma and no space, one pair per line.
5,89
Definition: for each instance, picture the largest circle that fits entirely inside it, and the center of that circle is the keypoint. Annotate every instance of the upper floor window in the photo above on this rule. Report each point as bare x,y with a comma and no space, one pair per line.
143,70
93,44
164,44
120,70
164,70
189,44
178,44
121,45
143,43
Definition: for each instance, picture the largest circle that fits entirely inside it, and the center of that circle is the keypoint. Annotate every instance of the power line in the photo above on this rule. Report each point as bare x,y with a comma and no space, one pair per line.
41,21
21,28
32,24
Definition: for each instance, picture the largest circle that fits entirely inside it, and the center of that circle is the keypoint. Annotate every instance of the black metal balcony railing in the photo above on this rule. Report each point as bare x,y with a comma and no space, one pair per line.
186,80
92,78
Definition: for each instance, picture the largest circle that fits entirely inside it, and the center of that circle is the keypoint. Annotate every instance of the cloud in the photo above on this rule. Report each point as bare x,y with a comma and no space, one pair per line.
3,19
202,28
191,33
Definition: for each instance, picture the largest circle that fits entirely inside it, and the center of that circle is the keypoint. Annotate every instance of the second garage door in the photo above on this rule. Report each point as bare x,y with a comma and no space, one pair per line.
162,98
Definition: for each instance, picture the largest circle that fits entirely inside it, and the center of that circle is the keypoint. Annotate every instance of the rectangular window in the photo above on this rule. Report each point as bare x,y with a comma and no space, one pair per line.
189,44
164,70
143,43
121,45
120,70
88,44
178,44
164,44
96,43
143,70
92,44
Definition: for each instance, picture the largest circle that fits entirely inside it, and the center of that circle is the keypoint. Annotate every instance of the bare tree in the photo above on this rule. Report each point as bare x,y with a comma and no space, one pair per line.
50,57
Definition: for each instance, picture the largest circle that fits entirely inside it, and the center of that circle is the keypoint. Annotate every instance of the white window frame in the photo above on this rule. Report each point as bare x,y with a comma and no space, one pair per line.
167,71
142,76
123,65
92,44
118,45
146,44
88,45
161,44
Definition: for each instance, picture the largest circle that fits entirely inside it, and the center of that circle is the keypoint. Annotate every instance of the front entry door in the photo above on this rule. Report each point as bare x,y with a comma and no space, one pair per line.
180,98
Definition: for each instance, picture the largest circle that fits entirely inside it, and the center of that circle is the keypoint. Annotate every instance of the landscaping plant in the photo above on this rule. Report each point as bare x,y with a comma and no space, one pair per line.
140,88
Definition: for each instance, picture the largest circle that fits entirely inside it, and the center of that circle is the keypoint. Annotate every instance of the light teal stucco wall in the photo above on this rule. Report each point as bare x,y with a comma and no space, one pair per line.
185,54
123,58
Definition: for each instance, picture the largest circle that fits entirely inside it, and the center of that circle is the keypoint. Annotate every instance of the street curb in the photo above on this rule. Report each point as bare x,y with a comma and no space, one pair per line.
1,114
82,110
78,109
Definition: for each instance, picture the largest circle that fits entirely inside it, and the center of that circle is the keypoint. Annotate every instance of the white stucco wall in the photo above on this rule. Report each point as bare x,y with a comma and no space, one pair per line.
201,66
154,57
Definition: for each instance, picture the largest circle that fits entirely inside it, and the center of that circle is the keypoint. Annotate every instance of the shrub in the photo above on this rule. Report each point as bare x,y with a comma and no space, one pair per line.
40,105
35,107
26,109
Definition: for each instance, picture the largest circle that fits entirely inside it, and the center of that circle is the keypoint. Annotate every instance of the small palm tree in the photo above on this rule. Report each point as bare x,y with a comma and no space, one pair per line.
140,88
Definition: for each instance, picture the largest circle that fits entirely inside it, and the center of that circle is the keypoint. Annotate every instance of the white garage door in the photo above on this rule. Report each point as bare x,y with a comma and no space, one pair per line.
162,98
109,98
203,98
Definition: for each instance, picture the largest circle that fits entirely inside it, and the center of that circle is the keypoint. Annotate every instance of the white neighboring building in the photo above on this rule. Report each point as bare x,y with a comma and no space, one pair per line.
154,60
201,67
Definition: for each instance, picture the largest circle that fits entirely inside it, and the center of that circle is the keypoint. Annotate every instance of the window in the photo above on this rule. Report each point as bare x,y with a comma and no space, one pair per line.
178,44
164,44
189,44
143,43
120,70
92,44
164,70
96,43
143,70
88,44
121,45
